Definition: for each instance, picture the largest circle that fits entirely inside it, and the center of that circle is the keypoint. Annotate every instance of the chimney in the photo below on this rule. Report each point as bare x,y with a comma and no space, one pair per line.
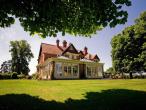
64,44
85,50
57,42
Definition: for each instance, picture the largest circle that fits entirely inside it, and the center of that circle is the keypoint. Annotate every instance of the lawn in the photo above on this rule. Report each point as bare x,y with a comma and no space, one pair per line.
73,94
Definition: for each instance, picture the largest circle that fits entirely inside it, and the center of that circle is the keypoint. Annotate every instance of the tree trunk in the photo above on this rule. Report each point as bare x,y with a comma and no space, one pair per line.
131,76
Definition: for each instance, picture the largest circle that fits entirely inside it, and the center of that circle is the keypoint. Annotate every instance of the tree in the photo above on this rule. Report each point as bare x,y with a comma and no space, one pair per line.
129,48
76,17
6,67
21,55
110,71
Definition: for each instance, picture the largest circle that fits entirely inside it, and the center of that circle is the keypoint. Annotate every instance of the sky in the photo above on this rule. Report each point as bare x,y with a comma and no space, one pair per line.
98,44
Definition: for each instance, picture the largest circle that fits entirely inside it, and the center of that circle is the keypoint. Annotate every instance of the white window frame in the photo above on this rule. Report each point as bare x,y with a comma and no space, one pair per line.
58,69
92,75
73,65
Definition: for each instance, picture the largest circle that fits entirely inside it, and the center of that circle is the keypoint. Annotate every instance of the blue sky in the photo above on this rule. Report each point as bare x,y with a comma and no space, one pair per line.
98,44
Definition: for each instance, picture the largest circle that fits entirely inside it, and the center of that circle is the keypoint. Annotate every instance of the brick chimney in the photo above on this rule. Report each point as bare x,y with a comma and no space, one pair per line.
85,50
57,42
64,44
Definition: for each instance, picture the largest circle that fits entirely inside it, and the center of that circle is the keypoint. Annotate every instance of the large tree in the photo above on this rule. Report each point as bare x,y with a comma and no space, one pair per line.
129,48
77,17
21,55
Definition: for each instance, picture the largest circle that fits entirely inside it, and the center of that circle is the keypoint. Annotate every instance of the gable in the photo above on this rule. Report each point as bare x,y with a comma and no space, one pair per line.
96,57
92,57
70,49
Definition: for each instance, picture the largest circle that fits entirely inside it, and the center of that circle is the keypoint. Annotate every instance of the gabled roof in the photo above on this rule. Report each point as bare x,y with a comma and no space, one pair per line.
91,57
71,49
53,51
50,49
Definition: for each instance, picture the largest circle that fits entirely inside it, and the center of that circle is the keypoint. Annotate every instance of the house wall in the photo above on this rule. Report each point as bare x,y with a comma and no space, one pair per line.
41,58
70,69
45,72
100,70
72,55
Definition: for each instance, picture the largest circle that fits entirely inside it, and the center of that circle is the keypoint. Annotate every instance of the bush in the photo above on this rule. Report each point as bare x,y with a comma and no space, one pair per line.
34,76
28,77
14,75
21,76
5,76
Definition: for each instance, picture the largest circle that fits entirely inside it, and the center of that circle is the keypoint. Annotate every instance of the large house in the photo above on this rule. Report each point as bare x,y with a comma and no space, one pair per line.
66,62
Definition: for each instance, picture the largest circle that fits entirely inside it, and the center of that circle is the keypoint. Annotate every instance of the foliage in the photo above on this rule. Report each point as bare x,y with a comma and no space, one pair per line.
28,77
12,75
21,76
110,70
5,76
77,17
34,76
129,48
21,55
6,67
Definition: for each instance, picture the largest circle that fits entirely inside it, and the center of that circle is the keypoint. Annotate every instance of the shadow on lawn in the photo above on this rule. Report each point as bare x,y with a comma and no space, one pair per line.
114,99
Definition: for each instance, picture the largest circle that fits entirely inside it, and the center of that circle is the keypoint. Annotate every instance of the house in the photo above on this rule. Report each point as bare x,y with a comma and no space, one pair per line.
66,62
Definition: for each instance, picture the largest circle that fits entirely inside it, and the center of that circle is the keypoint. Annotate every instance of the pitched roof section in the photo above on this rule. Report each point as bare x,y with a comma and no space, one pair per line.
71,49
51,49
91,57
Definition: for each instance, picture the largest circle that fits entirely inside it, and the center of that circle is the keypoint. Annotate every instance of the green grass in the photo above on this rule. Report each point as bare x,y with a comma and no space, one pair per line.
73,94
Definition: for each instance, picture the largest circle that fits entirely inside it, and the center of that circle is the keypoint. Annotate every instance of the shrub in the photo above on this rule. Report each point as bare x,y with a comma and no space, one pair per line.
14,75
21,76
34,76
28,77
5,75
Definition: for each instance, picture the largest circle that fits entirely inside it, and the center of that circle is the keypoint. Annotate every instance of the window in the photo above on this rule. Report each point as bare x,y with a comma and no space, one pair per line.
65,70
69,70
67,56
58,68
75,57
94,71
91,71
72,56
75,70
99,69
88,71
